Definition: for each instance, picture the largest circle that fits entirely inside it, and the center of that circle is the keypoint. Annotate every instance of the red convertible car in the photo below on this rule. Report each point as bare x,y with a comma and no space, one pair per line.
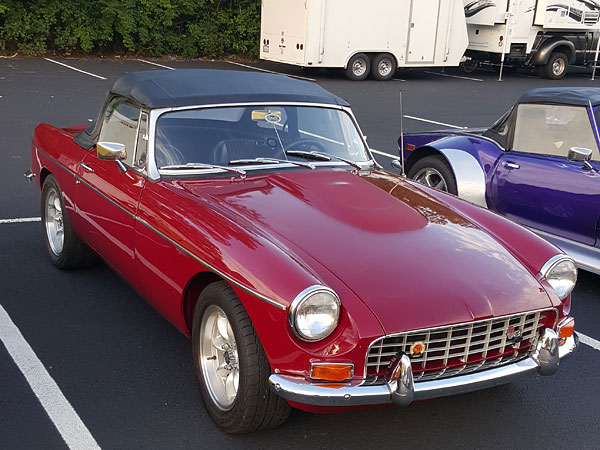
249,211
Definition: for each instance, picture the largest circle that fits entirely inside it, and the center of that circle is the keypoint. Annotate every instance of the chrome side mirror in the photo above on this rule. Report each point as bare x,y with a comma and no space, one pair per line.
397,164
111,151
579,154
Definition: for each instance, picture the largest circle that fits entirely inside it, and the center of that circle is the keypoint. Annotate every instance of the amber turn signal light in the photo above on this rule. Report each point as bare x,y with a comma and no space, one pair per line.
567,327
331,371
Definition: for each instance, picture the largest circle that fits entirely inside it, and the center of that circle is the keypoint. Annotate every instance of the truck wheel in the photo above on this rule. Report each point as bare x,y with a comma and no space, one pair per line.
231,364
434,171
383,67
65,249
358,68
557,66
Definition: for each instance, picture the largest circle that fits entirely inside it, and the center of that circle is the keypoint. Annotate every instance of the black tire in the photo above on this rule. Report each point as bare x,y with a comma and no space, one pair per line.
255,406
358,68
73,253
556,67
439,167
383,67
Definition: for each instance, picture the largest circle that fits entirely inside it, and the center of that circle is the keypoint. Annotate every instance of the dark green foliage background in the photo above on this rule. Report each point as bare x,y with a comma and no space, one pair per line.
188,28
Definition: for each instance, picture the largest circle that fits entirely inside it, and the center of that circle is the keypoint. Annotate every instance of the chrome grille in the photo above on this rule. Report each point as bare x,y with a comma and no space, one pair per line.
459,349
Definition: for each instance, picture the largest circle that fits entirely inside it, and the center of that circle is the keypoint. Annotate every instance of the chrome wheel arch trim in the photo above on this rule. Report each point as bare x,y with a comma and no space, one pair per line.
470,177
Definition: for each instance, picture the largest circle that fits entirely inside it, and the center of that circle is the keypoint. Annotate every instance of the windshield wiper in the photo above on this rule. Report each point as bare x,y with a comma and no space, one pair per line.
322,157
240,172
270,161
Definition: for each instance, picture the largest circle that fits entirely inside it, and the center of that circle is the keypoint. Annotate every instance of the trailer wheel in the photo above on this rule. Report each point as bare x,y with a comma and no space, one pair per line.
556,67
383,67
358,68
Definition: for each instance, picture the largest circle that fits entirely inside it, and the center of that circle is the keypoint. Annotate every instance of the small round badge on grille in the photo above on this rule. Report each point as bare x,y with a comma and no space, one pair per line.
514,335
417,349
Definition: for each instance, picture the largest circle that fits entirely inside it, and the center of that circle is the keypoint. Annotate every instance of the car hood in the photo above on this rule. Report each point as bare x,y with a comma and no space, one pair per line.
414,261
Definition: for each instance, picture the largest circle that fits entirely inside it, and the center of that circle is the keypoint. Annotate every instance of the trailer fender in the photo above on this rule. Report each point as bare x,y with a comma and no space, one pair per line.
469,175
547,47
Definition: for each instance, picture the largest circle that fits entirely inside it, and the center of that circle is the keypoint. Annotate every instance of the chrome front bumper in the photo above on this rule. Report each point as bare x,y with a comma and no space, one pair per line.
401,390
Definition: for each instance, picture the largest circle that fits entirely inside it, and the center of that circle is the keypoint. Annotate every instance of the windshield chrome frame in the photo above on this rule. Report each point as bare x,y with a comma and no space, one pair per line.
154,173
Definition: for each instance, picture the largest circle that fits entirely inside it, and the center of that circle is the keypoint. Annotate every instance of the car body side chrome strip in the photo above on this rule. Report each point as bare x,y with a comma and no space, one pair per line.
171,241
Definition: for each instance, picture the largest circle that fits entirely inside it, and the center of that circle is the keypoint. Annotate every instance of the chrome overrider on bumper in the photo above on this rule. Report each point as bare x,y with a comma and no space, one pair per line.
401,390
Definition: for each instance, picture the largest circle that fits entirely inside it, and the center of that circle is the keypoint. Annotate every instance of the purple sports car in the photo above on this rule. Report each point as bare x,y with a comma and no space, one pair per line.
538,165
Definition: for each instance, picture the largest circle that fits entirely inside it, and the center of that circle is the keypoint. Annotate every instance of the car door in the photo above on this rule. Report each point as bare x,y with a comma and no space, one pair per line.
536,185
108,195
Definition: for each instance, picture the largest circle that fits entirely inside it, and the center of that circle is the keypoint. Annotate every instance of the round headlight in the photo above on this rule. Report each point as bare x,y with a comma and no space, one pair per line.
561,274
314,313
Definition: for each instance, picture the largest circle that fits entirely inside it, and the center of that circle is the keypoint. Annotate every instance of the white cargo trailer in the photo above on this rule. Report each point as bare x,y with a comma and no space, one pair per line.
545,34
364,37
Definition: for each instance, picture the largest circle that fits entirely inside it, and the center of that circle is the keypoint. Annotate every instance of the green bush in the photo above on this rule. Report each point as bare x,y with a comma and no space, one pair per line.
189,28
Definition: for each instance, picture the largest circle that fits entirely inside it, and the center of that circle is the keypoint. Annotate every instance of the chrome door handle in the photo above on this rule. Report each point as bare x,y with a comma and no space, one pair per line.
511,165
86,167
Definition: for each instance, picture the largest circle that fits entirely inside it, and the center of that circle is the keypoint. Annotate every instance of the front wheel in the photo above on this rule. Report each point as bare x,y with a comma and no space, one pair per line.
231,365
358,68
434,171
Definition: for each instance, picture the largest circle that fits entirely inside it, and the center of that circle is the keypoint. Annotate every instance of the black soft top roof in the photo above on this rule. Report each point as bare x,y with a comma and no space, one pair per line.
576,96
200,87
191,87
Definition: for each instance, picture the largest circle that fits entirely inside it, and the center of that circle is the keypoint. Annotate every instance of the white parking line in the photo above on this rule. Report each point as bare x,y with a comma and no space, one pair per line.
75,68
384,154
452,76
21,220
65,419
156,64
269,71
435,122
589,341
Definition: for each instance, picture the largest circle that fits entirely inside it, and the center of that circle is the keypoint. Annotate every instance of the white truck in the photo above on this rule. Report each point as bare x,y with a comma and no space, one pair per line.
547,35
363,37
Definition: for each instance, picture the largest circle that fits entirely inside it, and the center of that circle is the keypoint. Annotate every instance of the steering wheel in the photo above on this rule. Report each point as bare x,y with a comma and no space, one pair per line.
306,145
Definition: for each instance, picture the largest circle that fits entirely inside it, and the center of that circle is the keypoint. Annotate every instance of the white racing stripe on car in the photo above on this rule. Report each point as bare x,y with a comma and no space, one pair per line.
21,220
269,71
156,64
589,341
65,419
452,76
435,122
75,68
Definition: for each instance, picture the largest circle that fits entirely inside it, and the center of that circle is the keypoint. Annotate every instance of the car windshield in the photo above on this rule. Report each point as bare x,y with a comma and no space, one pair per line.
252,135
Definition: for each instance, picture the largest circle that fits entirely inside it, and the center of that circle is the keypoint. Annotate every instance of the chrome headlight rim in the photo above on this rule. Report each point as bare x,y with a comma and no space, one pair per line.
552,263
300,299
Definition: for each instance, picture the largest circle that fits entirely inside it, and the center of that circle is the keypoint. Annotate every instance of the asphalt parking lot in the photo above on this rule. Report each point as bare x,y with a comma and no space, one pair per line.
127,373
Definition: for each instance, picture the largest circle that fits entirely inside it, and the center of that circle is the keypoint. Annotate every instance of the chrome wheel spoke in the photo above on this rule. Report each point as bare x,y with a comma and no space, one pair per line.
222,371
230,386
223,326
432,178
218,343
